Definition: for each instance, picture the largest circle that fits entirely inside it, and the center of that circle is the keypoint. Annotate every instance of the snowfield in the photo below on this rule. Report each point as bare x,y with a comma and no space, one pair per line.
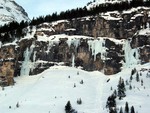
49,91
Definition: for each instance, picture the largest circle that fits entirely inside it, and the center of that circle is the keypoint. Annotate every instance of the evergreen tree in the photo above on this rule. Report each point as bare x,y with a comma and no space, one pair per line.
79,101
137,77
130,87
121,88
81,82
113,110
133,71
70,14
140,74
111,102
127,83
74,85
132,110
17,105
131,78
68,107
115,93
126,108
111,88
142,82
121,111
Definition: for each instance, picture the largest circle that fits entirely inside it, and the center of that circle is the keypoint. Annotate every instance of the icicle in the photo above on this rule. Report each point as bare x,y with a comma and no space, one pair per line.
131,55
0,44
34,56
147,25
50,44
26,65
97,46
73,41
73,58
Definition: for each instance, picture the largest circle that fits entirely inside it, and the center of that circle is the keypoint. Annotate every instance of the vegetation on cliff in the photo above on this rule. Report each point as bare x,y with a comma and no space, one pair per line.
15,29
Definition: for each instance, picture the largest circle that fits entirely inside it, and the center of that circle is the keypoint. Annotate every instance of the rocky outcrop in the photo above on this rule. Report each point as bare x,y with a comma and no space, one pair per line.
111,24
106,42
143,43
7,64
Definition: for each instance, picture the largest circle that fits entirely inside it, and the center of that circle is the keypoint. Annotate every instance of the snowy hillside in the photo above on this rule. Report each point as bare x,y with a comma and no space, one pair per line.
49,91
11,11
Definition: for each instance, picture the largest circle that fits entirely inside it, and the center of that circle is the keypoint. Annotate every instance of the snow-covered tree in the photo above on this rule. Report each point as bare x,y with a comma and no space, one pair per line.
121,88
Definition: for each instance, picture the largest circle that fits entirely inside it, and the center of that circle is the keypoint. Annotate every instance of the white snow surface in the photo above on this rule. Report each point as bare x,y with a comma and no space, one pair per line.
49,91
11,11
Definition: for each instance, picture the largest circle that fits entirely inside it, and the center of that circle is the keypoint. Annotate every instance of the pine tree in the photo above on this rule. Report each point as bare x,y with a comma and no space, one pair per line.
115,93
17,105
133,71
9,107
111,88
131,78
74,85
126,108
68,107
140,74
130,87
111,102
79,101
81,82
121,111
132,110
137,77
121,88
127,83
113,110
142,82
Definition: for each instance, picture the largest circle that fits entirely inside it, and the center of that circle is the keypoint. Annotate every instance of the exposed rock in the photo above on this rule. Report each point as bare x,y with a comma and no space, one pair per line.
7,64
107,43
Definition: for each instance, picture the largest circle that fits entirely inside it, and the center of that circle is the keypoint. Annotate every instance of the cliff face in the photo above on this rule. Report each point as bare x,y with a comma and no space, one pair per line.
107,42
118,25
7,56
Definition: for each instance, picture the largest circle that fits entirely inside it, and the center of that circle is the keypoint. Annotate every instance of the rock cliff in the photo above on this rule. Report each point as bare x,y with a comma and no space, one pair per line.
107,42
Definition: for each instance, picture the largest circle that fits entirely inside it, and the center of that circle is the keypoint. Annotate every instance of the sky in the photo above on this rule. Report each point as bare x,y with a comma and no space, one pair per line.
36,8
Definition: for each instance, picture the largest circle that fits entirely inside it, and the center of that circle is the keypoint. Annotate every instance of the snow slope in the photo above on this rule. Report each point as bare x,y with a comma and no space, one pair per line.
11,11
49,91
